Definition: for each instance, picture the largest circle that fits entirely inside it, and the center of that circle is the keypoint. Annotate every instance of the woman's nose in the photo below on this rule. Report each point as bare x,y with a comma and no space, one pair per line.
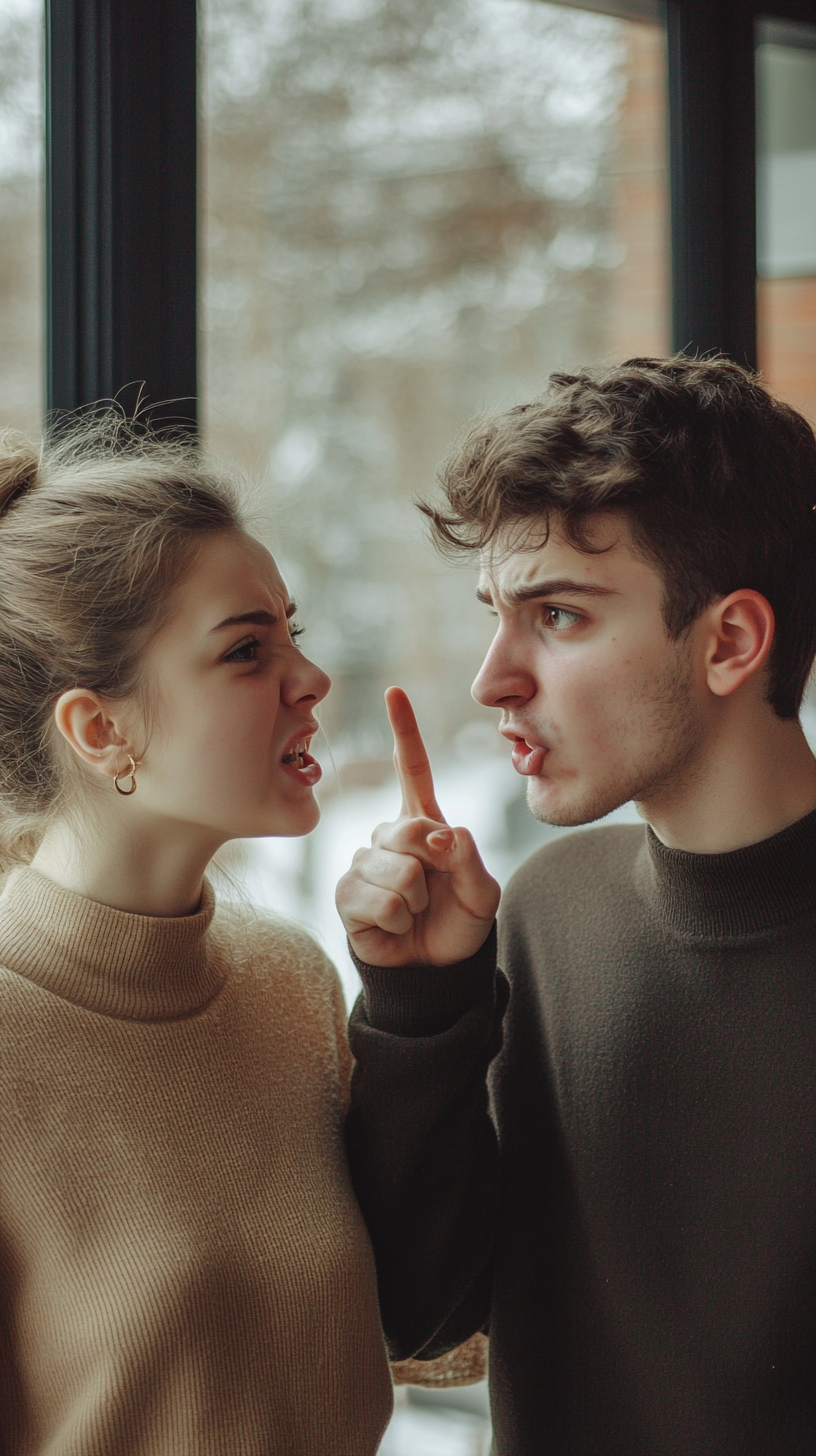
312,683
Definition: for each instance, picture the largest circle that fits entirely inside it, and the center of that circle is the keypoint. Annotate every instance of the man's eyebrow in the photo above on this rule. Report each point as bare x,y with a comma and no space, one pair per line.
257,619
553,588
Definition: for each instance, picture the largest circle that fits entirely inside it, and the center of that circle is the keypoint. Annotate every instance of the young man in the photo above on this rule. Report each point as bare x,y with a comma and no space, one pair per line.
636,1222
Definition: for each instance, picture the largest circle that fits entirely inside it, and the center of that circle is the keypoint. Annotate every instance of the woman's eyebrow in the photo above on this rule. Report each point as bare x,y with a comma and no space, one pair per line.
258,619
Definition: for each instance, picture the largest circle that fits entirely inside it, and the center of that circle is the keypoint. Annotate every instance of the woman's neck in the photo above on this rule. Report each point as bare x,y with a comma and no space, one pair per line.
143,866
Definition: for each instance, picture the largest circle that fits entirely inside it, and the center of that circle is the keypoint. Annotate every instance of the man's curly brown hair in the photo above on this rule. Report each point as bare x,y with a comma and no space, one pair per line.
715,478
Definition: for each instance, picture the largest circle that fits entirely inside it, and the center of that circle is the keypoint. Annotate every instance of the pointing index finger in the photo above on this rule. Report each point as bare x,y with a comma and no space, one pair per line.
411,758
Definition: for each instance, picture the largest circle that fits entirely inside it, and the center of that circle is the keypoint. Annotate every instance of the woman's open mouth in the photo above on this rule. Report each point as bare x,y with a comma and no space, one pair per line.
300,765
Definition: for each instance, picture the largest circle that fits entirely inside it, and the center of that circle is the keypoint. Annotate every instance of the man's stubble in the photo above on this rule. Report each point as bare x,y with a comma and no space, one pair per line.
669,733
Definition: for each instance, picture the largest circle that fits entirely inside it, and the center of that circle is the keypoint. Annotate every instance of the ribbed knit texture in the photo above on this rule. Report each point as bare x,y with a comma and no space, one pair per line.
183,1266
723,897
424,1000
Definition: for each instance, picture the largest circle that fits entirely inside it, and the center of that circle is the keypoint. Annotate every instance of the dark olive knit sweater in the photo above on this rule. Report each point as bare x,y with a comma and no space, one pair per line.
640,1229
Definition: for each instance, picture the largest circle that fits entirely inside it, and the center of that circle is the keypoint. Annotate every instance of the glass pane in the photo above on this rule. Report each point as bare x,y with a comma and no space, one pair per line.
786,216
21,230
413,210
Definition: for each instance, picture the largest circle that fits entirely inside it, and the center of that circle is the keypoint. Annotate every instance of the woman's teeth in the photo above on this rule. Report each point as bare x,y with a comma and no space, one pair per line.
307,772
296,756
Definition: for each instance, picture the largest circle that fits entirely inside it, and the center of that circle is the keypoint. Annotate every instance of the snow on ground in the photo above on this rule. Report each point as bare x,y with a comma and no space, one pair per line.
419,1430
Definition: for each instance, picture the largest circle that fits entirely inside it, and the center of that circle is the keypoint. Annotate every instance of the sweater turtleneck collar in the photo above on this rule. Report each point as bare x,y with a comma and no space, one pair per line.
133,967
743,892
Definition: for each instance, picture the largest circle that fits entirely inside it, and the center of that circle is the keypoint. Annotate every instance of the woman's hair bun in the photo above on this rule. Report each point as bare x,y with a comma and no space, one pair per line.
19,464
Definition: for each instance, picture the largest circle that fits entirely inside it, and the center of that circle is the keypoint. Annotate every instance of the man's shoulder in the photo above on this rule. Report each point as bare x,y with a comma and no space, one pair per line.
575,866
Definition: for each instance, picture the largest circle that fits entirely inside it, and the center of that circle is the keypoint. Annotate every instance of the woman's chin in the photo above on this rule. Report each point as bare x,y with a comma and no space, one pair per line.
287,820
294,820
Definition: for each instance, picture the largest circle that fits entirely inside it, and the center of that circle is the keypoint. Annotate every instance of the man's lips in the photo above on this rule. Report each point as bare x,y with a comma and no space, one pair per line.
527,758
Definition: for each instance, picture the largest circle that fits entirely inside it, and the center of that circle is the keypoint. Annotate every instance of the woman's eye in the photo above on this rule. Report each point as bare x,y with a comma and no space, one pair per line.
246,651
560,619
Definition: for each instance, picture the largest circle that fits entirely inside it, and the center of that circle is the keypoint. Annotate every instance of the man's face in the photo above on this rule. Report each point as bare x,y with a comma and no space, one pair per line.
600,704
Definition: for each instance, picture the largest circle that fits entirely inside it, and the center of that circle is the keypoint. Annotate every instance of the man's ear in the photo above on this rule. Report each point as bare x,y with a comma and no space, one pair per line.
91,727
741,632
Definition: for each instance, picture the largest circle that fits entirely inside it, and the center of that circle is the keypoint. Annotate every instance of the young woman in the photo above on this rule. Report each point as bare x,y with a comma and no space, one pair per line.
183,1267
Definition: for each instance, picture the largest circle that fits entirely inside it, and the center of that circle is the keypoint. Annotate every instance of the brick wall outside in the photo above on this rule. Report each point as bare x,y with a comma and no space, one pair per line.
787,339
639,313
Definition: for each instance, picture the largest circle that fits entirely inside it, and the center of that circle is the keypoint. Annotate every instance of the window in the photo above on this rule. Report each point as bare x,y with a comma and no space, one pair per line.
786,212
413,210
21,271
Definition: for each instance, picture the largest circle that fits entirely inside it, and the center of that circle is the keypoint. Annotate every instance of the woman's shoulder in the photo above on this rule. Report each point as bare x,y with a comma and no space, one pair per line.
272,949
283,979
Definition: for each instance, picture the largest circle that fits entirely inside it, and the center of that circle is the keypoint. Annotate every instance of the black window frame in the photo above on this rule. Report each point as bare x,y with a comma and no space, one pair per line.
122,192
121,204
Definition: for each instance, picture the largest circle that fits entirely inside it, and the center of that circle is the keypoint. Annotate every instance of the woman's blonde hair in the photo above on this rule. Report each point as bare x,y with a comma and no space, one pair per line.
96,528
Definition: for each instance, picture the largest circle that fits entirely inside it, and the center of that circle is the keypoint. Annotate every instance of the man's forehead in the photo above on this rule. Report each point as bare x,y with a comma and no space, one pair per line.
509,570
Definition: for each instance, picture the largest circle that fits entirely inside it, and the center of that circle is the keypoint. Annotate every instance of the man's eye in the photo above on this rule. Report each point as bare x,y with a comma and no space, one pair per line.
246,651
295,631
560,619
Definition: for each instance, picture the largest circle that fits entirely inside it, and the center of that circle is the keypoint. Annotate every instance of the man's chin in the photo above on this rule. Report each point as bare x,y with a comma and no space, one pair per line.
552,806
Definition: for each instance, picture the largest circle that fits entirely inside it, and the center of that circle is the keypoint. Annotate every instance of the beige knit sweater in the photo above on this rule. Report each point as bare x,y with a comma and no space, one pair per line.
183,1267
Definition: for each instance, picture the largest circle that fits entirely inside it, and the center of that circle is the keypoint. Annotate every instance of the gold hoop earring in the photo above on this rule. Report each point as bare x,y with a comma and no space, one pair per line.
128,773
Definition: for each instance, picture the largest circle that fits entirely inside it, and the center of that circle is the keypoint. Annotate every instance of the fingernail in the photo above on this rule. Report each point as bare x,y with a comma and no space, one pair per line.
442,839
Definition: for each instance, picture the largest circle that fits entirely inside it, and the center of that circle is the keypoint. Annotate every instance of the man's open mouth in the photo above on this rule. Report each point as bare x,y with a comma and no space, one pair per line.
528,759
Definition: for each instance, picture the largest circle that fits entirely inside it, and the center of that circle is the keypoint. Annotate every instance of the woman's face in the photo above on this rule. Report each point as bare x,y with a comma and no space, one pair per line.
232,702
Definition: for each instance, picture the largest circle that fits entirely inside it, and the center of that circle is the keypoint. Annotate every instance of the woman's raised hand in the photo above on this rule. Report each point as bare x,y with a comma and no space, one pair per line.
420,894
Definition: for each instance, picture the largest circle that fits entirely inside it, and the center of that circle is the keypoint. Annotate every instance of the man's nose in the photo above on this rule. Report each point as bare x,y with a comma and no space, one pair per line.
504,679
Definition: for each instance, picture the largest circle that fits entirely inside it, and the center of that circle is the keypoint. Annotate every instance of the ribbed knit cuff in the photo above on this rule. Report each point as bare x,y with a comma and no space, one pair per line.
427,1000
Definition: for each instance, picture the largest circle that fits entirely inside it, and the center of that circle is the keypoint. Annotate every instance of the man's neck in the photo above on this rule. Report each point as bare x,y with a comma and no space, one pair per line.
754,776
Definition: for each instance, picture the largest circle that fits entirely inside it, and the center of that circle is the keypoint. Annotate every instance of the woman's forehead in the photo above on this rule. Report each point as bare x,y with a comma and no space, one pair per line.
233,575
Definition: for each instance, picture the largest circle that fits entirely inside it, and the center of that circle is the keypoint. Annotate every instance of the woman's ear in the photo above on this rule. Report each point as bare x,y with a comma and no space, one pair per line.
89,725
741,634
